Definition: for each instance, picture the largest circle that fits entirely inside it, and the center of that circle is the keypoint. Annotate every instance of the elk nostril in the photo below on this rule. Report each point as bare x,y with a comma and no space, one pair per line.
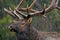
10,27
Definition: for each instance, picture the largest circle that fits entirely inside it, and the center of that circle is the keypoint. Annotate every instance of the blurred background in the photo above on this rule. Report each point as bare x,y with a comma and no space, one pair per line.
50,23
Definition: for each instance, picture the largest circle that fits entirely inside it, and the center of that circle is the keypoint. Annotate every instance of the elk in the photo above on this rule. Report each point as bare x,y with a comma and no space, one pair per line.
22,26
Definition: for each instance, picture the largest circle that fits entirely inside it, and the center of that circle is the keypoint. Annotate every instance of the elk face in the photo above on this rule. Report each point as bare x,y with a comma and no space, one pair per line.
20,26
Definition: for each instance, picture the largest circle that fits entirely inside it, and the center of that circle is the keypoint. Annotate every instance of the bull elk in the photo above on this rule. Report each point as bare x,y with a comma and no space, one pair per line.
23,28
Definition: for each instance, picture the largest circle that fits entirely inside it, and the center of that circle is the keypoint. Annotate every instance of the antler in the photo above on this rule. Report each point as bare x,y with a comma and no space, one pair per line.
14,13
52,6
10,12
29,8
20,4
32,4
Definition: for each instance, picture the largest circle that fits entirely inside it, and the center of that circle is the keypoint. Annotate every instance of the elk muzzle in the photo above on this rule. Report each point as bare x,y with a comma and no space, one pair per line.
12,29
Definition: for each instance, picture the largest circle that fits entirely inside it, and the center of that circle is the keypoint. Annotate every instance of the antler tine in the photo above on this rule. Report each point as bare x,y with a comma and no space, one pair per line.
52,6
25,9
57,2
20,4
9,12
58,8
18,16
32,4
57,5
21,13
12,13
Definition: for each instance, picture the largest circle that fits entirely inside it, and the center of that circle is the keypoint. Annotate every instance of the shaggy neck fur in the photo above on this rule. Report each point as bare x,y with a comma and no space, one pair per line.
30,34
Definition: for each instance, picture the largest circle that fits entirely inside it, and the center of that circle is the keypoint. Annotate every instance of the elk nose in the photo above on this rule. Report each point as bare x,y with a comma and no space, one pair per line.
10,27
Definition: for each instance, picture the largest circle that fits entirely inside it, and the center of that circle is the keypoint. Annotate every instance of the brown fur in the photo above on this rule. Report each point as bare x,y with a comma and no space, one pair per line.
24,31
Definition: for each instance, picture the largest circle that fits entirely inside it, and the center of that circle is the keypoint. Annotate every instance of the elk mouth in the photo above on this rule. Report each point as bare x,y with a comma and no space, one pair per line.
12,29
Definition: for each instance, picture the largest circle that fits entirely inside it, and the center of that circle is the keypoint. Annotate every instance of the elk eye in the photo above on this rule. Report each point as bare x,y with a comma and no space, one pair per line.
23,22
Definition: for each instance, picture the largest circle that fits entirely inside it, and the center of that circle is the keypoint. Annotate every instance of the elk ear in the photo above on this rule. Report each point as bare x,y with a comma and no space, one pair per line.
30,20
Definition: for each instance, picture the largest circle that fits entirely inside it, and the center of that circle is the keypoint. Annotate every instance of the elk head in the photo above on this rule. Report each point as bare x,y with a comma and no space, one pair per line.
22,24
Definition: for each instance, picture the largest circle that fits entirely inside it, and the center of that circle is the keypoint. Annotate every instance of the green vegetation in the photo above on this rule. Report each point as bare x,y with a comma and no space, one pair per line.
39,22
